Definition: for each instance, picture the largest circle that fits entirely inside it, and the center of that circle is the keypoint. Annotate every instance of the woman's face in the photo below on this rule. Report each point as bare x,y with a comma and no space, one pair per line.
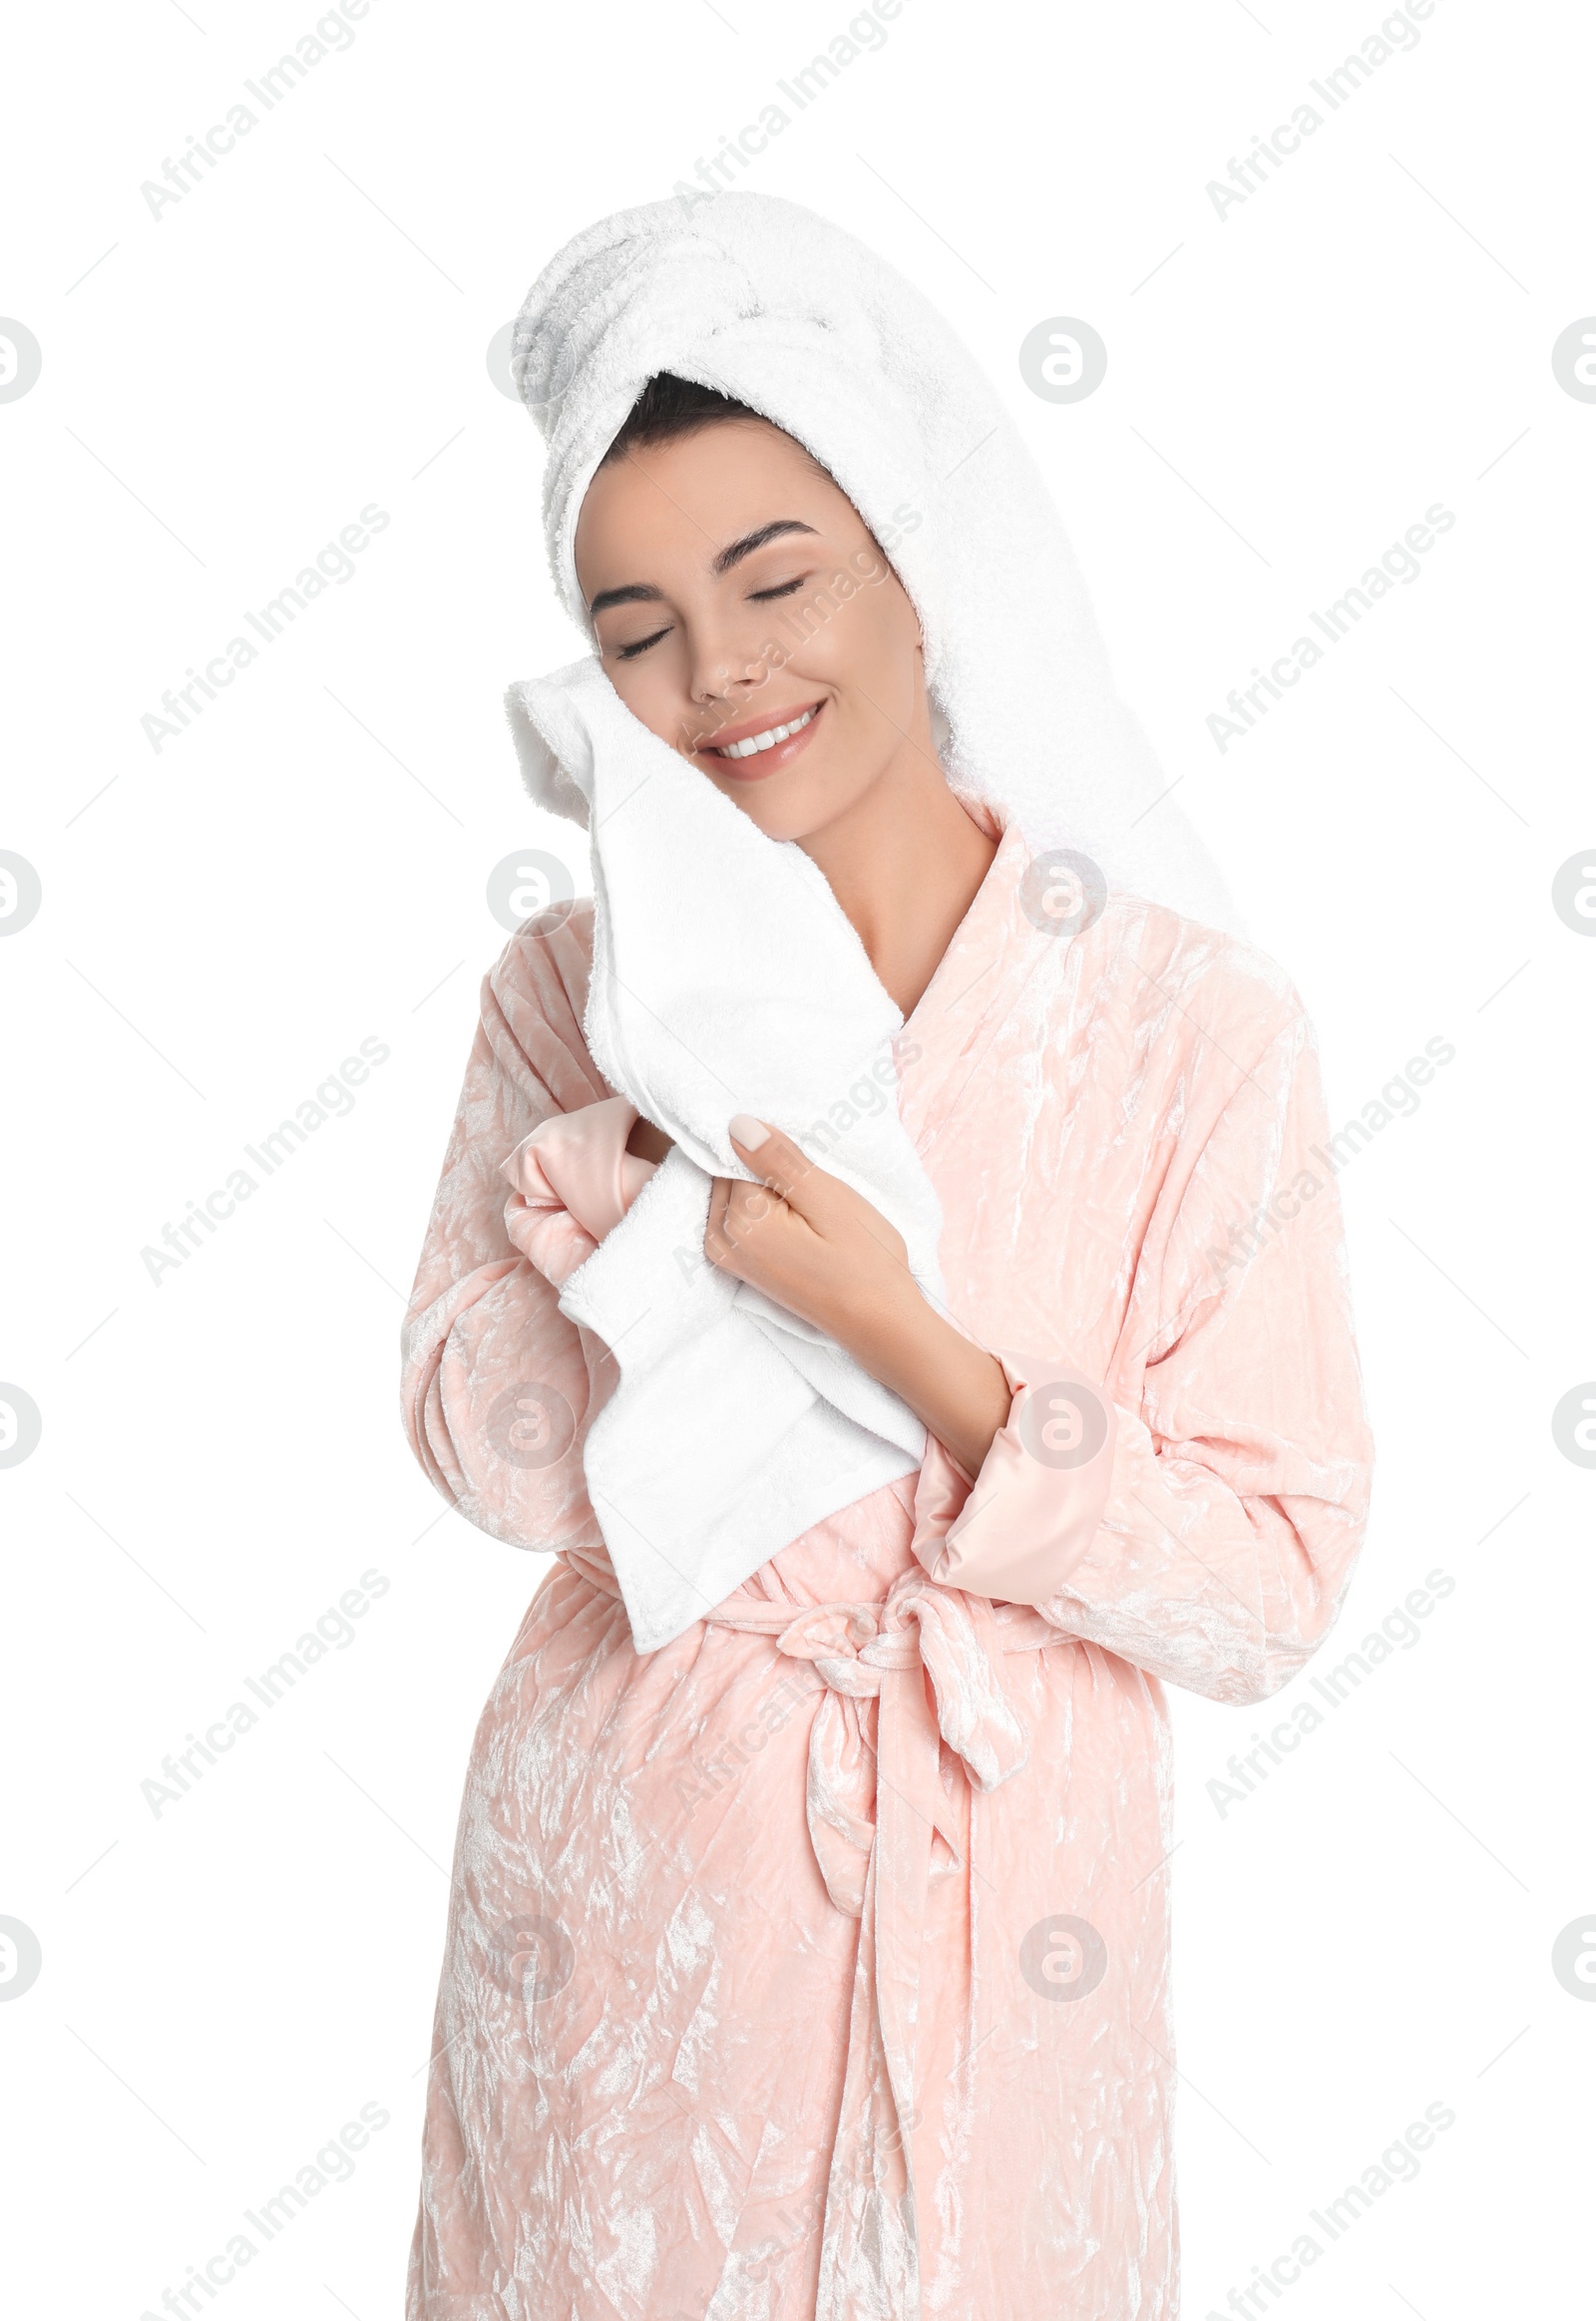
734,590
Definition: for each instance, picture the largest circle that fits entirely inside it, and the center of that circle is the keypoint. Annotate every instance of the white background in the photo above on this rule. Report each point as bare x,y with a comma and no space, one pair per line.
224,388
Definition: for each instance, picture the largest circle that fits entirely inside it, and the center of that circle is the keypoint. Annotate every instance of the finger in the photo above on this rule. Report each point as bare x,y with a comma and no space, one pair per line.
826,1205
716,1244
736,1210
782,1165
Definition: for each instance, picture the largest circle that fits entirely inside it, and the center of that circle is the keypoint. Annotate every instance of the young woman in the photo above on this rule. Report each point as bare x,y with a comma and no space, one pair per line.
883,1252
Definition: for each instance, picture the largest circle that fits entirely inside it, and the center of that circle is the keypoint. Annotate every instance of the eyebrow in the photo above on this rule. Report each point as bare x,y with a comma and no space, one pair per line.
745,547
641,592
638,593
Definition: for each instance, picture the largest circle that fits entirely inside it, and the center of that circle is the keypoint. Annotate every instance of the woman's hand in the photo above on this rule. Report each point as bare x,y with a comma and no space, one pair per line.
805,1238
815,1246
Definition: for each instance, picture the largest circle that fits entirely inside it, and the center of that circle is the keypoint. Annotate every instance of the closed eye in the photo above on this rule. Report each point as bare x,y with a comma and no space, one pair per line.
629,653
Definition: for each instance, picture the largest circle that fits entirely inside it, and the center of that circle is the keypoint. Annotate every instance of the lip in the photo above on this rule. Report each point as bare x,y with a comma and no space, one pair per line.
764,761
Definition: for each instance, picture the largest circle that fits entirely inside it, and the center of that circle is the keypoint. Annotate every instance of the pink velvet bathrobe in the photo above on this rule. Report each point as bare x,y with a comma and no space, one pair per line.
817,1964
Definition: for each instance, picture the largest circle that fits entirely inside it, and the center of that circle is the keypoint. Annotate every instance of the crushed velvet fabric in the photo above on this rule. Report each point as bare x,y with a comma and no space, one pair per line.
817,1964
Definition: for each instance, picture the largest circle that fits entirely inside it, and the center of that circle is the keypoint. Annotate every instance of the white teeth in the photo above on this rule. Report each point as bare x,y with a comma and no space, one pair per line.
756,741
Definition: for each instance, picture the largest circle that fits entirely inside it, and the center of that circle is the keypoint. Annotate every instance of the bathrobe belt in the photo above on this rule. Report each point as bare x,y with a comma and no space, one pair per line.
884,1825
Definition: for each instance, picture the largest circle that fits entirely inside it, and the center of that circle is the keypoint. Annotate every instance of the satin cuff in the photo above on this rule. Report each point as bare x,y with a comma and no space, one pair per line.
573,1181
1018,1529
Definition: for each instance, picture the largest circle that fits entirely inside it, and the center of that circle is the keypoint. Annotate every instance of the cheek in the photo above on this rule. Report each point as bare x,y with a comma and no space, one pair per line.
652,689
866,642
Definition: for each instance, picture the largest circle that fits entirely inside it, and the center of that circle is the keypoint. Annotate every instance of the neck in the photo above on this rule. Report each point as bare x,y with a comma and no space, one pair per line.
905,861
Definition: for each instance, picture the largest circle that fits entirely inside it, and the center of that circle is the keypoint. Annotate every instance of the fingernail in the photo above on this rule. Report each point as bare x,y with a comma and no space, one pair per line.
749,1132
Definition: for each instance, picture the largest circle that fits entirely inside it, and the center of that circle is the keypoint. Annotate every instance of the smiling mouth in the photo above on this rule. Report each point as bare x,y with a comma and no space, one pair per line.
759,744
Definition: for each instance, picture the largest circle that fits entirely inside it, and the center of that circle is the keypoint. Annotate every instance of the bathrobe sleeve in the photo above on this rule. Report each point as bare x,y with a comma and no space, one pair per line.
496,1385
1198,1511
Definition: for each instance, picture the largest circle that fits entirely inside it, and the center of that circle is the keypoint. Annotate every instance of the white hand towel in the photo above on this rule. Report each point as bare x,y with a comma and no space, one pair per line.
725,979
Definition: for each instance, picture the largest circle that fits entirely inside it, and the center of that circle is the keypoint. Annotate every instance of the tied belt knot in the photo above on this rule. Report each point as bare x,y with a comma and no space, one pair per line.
923,1634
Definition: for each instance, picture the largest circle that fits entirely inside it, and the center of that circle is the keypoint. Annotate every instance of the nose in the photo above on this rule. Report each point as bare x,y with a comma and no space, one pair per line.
721,675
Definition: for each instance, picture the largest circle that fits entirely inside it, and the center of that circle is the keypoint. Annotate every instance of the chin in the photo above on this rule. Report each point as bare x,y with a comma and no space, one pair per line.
790,809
